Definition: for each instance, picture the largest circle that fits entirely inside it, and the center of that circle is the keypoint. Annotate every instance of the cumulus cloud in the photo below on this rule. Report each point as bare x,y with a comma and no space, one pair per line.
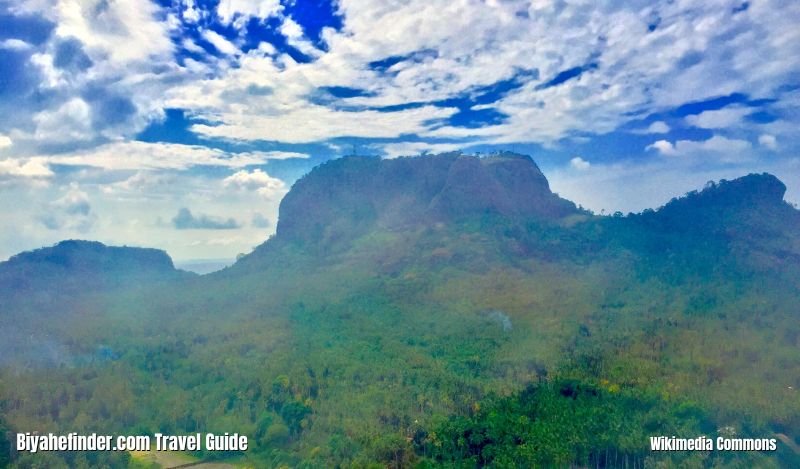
657,127
256,180
141,181
724,149
228,10
719,119
191,13
98,55
296,38
126,30
579,163
70,122
25,168
768,141
185,220
394,150
662,146
71,212
5,141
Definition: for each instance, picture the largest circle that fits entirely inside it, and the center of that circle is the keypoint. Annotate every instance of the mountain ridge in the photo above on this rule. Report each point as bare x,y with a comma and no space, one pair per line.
345,198
100,265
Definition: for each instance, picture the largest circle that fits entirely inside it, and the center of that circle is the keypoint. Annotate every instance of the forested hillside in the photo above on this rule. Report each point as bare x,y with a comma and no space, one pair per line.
436,311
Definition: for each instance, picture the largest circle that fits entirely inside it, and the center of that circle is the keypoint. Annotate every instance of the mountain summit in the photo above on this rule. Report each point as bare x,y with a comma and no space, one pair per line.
347,196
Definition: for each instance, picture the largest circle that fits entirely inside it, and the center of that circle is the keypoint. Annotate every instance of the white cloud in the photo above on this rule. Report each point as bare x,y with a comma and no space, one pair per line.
724,149
657,127
579,163
394,150
256,180
448,49
191,13
150,156
126,56
768,141
141,181
5,141
70,122
227,10
719,119
714,144
291,29
75,201
312,123
296,38
70,212
220,43
122,31
283,155
662,146
191,46
14,44
27,168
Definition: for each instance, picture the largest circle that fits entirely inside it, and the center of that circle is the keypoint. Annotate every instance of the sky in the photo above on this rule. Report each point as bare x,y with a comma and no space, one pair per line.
181,124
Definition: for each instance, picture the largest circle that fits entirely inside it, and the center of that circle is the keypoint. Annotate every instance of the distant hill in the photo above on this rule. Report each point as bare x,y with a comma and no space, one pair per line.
86,266
204,266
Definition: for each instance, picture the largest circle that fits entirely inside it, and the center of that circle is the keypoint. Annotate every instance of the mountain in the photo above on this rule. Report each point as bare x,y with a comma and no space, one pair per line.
755,198
348,196
743,225
69,284
435,311
77,264
73,272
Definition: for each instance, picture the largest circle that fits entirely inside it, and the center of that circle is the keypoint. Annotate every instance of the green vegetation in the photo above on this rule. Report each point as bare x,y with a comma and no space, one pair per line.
563,423
467,337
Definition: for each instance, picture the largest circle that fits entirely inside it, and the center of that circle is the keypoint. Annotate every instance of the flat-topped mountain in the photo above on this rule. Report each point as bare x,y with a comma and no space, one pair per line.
88,265
345,197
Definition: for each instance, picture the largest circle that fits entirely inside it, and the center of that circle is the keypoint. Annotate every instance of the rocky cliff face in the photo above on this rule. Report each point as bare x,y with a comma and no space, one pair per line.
347,196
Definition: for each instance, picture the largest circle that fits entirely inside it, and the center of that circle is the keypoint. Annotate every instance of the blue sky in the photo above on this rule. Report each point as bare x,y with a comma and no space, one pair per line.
181,124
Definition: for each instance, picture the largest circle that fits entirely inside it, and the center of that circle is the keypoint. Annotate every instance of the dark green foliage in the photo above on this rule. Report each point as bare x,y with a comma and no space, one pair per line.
570,423
561,423
6,444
